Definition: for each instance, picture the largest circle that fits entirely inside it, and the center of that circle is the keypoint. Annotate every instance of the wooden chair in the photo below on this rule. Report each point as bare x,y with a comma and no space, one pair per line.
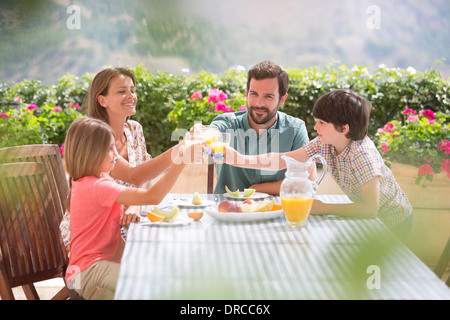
443,264
31,247
50,156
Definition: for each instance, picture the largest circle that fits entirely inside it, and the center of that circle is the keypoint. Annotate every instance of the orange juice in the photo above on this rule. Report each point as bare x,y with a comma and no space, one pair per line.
218,147
209,140
218,150
296,209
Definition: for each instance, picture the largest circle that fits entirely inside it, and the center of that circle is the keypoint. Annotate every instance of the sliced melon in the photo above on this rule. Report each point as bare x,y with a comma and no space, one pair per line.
248,193
168,214
262,206
196,200
233,193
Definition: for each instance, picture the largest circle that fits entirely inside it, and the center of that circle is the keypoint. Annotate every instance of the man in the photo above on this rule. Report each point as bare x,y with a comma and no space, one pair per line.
259,130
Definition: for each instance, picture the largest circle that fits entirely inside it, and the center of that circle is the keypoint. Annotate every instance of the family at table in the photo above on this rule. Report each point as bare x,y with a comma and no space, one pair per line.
110,170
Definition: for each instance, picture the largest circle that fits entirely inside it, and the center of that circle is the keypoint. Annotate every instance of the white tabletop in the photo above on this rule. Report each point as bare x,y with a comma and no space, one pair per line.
332,258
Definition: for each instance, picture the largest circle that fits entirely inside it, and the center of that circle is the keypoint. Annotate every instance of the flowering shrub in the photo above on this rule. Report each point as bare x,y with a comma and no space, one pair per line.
205,108
30,124
420,139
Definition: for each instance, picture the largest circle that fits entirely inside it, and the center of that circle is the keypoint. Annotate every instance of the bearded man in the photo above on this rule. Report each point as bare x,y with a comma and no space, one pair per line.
260,129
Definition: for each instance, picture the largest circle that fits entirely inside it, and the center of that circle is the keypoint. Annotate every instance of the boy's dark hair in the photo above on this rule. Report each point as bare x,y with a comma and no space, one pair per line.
269,70
344,106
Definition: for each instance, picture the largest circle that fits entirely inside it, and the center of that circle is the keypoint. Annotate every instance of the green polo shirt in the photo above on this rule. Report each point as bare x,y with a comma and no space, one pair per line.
286,134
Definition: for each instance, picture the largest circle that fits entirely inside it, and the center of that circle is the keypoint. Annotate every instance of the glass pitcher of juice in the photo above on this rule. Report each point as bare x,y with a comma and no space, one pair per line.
297,190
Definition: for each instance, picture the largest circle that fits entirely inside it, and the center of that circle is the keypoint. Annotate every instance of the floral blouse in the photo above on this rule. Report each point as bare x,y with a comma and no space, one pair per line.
137,154
136,148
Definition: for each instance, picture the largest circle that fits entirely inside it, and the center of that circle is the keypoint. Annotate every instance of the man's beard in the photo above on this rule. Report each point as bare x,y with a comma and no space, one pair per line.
259,119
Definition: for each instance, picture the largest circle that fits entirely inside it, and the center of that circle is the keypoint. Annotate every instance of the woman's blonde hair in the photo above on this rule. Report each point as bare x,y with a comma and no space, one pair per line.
85,148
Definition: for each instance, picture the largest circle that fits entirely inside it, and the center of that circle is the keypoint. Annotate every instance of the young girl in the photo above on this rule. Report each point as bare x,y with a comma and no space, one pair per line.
95,204
342,120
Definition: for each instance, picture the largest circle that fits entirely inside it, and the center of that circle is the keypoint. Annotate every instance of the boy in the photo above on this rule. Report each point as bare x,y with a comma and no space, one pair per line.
342,120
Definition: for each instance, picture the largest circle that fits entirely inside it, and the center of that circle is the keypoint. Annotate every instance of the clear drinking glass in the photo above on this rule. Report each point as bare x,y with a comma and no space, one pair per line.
197,154
218,147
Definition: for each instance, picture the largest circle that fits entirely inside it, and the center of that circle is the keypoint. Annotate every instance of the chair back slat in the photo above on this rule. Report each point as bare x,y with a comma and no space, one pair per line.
31,245
50,156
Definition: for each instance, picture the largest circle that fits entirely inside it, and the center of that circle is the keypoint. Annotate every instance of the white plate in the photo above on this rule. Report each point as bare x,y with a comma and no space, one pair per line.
255,196
187,203
178,221
243,216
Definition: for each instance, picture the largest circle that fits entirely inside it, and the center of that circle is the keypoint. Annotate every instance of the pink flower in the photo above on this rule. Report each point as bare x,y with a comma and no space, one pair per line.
384,148
61,149
32,107
196,95
412,117
409,110
4,115
445,146
17,99
388,127
229,109
57,109
428,114
242,108
216,96
425,169
221,107
73,105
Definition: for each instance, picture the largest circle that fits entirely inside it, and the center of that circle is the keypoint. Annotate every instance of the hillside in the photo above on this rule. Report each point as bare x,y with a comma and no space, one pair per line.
172,35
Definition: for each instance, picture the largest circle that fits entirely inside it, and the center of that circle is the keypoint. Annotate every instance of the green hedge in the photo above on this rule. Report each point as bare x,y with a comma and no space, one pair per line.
165,102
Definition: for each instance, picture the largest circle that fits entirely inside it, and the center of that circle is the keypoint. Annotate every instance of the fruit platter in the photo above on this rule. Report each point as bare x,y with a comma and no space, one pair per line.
249,210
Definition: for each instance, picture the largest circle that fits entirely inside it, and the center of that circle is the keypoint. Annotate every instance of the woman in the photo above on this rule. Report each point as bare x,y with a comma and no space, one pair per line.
112,98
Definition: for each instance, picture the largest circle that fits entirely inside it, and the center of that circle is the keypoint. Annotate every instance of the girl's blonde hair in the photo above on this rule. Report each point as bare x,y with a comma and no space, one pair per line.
85,148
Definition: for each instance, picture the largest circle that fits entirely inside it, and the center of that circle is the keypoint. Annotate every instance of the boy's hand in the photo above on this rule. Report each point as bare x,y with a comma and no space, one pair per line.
127,218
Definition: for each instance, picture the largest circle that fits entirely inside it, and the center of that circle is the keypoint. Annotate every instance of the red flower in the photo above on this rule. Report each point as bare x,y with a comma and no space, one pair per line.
425,169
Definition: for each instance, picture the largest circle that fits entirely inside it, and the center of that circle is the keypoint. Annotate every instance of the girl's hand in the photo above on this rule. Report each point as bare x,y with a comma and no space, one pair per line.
127,218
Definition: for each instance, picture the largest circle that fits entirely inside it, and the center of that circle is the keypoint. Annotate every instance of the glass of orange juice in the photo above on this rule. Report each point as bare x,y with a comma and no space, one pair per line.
218,147
209,134
296,209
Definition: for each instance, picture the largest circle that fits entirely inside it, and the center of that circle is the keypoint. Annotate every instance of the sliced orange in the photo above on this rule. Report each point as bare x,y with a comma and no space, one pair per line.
154,217
277,207
195,215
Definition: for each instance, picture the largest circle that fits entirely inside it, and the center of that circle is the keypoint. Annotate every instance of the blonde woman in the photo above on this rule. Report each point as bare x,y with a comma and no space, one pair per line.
95,206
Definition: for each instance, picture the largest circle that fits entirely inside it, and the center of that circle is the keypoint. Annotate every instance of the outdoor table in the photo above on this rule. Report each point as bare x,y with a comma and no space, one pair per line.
332,258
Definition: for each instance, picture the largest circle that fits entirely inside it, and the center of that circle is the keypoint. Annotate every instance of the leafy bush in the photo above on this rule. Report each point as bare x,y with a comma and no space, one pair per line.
35,125
166,102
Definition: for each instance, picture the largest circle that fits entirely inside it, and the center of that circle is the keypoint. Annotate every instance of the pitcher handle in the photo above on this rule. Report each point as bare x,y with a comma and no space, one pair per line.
324,168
